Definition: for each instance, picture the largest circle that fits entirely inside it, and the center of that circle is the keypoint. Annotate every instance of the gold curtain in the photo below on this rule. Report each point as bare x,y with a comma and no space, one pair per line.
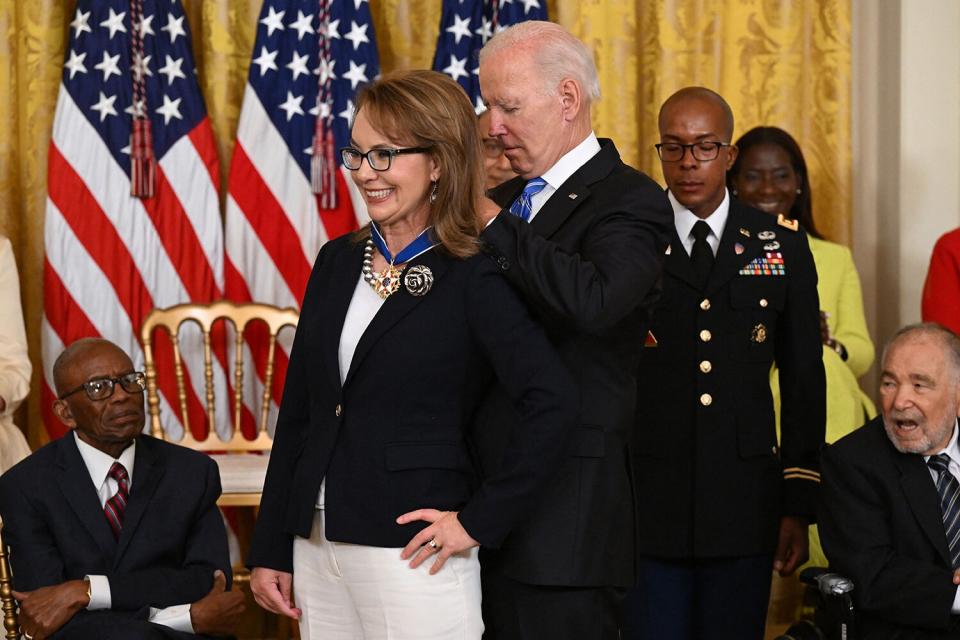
779,62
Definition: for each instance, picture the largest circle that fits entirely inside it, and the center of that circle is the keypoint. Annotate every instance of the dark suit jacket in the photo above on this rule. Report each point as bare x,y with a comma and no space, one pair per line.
880,525
588,266
392,437
172,539
711,479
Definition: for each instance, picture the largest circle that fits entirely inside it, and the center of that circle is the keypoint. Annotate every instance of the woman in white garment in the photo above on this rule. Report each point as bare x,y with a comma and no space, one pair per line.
14,364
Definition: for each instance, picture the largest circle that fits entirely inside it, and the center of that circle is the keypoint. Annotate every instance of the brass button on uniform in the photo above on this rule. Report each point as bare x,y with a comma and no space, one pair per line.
338,410
705,335
705,366
705,304
773,449
706,399
763,302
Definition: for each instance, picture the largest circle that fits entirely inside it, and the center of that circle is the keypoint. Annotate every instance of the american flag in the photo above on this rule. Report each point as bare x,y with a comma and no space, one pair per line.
275,223
111,257
466,25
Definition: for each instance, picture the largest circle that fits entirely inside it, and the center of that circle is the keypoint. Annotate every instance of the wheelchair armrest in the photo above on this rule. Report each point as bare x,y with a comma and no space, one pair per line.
829,584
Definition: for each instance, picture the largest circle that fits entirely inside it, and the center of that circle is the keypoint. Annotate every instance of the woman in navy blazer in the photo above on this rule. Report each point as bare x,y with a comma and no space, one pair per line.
404,326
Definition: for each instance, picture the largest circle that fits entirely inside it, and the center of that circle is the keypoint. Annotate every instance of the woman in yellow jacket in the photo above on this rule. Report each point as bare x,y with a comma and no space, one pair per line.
770,174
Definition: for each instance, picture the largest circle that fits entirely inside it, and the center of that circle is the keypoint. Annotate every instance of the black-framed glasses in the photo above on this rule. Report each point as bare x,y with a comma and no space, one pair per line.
379,159
702,151
102,388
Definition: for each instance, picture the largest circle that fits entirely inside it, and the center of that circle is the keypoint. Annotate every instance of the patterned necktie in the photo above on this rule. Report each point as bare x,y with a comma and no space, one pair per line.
522,207
701,256
949,491
115,506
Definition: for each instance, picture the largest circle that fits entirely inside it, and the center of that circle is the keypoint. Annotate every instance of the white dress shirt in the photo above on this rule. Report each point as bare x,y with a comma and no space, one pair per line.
953,451
684,219
565,167
98,466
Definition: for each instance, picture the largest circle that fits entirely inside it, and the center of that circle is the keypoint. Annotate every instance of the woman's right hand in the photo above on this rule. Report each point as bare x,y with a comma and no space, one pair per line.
273,591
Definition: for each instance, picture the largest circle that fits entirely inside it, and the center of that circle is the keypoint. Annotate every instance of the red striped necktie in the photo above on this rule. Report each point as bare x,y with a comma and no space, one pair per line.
115,506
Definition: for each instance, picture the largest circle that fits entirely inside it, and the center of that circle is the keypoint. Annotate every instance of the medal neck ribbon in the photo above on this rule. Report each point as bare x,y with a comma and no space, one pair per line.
420,245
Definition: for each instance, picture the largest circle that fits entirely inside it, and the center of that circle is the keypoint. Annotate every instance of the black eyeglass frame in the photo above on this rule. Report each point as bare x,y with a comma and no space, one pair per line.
717,145
139,382
391,154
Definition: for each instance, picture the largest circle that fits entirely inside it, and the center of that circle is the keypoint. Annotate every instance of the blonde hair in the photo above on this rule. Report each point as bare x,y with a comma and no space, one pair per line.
429,109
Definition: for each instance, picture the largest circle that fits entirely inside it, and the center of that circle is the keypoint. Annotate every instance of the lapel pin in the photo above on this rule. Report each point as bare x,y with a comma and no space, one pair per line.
667,252
418,280
572,196
766,235
744,232
738,248
771,246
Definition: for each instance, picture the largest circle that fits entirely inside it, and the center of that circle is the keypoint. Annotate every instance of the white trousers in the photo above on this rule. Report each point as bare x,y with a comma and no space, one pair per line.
356,592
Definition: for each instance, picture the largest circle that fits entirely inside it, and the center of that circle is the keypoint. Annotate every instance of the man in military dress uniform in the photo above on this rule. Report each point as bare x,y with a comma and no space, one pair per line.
720,503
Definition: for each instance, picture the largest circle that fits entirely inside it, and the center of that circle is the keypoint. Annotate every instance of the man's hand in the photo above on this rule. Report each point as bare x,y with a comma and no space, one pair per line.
487,210
793,547
272,590
445,537
956,577
216,613
45,610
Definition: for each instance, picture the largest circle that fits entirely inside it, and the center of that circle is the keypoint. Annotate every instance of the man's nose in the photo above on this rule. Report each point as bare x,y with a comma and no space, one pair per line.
688,161
903,399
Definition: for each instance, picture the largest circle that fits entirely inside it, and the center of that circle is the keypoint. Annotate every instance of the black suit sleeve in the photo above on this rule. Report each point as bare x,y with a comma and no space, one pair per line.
616,266
537,381
204,551
859,542
36,561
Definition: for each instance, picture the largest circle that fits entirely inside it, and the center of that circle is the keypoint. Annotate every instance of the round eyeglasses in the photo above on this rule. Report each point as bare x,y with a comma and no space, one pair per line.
102,388
379,159
702,151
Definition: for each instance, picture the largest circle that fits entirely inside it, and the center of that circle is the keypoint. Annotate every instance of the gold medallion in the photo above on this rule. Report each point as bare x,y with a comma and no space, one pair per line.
759,334
386,282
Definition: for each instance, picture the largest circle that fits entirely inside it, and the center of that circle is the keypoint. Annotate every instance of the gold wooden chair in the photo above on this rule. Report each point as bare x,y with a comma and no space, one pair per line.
11,625
241,474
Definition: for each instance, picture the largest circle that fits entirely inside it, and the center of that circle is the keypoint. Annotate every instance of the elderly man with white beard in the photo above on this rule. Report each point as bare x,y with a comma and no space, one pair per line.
890,511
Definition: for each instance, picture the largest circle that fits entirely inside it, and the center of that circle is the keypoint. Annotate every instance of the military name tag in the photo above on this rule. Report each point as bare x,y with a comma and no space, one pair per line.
769,264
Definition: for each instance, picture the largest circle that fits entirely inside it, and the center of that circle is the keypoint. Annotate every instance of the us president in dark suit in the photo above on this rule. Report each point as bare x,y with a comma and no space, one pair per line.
581,236
114,534
721,502
889,507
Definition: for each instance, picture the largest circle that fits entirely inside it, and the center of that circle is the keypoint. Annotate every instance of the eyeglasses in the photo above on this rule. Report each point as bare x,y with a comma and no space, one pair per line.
702,151
492,147
102,388
378,159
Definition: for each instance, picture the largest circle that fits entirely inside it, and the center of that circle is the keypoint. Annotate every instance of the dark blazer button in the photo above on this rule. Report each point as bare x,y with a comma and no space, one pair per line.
504,263
338,410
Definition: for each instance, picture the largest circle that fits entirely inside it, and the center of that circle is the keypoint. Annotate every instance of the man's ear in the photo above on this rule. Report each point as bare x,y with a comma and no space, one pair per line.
63,412
732,153
571,98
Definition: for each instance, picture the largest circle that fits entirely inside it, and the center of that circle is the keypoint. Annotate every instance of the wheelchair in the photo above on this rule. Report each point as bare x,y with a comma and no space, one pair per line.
833,617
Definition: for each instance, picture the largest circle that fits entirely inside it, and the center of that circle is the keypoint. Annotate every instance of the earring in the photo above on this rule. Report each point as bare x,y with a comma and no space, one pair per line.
433,193
734,192
799,190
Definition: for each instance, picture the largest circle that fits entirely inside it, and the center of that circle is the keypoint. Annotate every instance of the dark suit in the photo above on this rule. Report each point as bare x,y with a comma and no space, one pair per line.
171,542
880,525
392,437
711,480
588,265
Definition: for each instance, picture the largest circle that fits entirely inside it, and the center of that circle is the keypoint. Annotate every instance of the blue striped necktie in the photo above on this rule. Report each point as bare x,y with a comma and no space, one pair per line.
949,491
522,207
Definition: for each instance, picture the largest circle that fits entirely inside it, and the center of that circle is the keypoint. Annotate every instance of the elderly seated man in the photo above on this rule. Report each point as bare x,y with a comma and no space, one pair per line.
114,534
890,511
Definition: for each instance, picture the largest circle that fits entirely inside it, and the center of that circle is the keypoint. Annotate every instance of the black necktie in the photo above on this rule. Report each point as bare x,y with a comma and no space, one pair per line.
949,491
701,257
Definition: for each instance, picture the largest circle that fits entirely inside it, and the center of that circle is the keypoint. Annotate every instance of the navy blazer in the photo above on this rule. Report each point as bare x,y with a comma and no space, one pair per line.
172,540
392,437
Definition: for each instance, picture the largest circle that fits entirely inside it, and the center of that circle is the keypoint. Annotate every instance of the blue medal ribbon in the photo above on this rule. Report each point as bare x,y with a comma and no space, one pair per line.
420,245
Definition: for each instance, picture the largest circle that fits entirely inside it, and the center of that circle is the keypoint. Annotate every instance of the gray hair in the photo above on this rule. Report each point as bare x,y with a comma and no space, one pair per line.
556,53
949,340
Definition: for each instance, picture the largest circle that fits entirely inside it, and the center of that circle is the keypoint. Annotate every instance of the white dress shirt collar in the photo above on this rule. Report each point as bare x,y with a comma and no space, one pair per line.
98,463
565,167
684,219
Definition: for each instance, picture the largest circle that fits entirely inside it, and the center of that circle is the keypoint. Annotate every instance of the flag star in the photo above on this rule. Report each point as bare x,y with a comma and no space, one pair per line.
503,2
530,4
145,27
357,3
174,28
75,63
298,65
80,23
457,68
325,70
321,110
141,66
479,107
308,151
108,65
136,109
292,105
170,109
105,106
273,21
267,60
347,113
172,69
357,35
125,150
114,22
302,25
332,29
486,30
460,28
356,74
476,70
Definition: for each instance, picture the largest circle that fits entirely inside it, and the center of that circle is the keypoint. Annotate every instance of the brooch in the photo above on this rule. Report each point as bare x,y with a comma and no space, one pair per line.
418,280
759,334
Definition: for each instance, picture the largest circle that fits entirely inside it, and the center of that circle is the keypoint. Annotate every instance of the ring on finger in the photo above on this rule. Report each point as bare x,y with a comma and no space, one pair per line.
433,544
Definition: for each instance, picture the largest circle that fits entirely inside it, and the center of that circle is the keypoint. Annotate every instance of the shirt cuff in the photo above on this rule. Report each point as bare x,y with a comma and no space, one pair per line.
176,617
99,593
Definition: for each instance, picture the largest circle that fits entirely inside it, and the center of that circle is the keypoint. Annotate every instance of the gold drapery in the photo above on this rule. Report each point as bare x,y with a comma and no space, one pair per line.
780,62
